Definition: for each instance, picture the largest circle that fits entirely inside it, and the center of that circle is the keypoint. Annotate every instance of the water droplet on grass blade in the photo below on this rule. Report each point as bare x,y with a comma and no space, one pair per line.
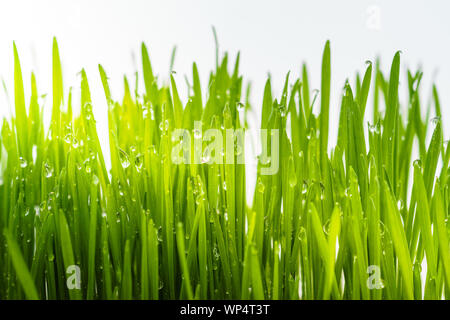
435,120
75,143
264,160
216,253
238,149
304,187
400,205
68,138
326,227
139,161
197,134
48,170
124,160
206,158
87,167
418,163
374,128
23,162
159,234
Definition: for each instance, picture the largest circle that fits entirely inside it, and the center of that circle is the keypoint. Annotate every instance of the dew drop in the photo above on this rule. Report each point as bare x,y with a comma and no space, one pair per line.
197,134
68,138
124,160
23,162
435,120
48,170
75,143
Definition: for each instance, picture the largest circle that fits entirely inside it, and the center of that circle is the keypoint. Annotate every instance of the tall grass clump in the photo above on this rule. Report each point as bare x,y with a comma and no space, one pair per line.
358,222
